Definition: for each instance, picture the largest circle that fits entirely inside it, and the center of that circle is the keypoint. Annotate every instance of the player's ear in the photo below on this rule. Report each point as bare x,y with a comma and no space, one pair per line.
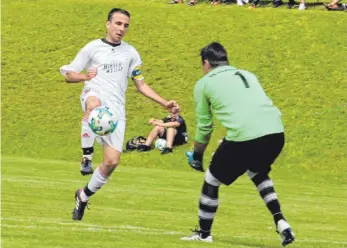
108,23
207,64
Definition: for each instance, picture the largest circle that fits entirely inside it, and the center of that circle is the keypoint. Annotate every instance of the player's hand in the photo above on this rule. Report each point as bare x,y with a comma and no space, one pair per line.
157,123
151,121
172,106
91,73
193,162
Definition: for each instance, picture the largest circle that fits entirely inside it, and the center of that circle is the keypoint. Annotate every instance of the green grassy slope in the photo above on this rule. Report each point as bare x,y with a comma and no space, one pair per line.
300,60
296,55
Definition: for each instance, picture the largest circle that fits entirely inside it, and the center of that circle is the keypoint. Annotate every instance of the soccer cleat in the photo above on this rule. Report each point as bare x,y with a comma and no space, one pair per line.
166,151
286,233
291,4
197,236
195,164
86,167
78,211
144,148
277,3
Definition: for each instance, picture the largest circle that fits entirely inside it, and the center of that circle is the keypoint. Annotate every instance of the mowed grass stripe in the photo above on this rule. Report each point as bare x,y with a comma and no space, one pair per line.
40,194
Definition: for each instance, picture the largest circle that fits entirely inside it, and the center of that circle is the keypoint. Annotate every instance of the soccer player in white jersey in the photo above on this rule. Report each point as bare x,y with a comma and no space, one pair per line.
109,63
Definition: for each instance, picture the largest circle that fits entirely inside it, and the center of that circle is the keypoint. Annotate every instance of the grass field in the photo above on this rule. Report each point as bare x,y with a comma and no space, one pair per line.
137,209
151,200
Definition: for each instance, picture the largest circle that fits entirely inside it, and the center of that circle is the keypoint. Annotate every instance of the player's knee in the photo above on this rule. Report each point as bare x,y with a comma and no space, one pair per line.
92,103
211,179
111,163
159,129
171,131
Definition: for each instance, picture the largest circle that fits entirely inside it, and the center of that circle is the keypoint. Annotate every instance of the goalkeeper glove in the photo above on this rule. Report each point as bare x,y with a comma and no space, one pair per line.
195,160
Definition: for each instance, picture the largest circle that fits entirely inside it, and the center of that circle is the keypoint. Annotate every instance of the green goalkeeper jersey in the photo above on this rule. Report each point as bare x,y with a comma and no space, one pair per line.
238,101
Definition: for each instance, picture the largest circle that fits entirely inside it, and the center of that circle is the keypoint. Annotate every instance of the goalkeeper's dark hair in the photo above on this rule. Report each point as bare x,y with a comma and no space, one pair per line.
117,10
215,54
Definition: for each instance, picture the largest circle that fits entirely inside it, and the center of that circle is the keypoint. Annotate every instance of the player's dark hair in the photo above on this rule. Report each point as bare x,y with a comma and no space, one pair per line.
215,54
117,10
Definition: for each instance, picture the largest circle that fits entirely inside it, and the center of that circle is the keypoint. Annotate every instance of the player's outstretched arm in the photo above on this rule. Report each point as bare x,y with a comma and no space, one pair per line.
147,91
76,77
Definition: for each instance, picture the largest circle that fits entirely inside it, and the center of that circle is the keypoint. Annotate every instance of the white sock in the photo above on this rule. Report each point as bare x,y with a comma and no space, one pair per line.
302,6
89,157
87,135
83,196
97,181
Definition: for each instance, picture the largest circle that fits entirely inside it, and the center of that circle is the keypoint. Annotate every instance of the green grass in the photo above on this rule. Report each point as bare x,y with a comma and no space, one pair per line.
151,200
139,209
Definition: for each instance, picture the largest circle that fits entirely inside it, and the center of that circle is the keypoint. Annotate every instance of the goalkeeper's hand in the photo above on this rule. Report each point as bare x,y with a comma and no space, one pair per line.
195,160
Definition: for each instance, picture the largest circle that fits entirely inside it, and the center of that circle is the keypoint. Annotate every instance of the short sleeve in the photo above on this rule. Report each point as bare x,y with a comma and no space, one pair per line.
79,63
180,120
135,66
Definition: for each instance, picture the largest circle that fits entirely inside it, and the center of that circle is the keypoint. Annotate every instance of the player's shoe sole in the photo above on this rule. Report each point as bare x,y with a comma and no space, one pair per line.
85,172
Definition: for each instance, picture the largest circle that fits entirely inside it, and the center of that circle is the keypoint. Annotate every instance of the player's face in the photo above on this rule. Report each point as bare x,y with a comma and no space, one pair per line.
174,116
117,27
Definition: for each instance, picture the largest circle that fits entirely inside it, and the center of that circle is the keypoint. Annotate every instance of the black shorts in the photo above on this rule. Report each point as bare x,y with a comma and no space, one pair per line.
180,138
233,159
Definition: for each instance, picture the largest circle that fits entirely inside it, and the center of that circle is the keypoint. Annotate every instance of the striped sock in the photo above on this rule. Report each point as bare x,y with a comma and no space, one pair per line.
208,204
267,192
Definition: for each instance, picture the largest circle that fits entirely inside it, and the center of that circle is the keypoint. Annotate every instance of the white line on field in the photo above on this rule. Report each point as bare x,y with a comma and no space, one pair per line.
80,226
90,227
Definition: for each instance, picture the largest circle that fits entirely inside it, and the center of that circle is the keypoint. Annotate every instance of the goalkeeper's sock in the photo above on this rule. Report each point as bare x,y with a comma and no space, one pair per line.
267,192
208,204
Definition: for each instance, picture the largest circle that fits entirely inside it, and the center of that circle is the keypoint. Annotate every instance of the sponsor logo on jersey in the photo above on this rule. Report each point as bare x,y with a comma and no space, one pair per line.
113,66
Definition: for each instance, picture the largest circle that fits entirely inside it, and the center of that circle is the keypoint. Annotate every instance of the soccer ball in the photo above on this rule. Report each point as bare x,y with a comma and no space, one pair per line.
160,144
102,121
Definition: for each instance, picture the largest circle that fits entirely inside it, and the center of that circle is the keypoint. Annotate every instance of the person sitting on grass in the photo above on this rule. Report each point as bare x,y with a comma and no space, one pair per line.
335,5
172,128
278,3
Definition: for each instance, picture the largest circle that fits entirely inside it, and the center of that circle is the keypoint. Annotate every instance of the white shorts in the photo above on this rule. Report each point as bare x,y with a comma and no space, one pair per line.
115,139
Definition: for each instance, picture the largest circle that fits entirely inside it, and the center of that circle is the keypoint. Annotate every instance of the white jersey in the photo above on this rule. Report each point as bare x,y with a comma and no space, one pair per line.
115,63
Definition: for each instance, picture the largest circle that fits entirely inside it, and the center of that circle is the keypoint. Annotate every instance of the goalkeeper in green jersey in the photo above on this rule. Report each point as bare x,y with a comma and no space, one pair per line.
254,138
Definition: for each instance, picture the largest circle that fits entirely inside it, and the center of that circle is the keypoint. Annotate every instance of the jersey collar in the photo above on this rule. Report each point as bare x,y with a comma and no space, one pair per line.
109,43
